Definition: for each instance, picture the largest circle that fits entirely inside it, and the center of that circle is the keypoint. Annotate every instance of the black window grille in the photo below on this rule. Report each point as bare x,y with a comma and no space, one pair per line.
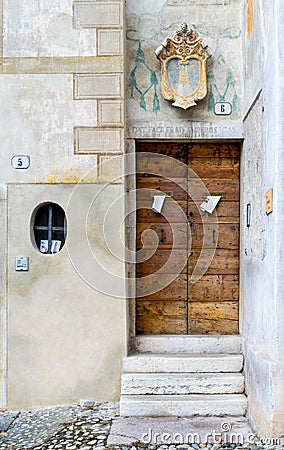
50,228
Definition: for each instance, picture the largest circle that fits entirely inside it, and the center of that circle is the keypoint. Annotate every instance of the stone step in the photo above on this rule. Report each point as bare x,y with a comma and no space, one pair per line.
185,363
183,405
187,344
182,383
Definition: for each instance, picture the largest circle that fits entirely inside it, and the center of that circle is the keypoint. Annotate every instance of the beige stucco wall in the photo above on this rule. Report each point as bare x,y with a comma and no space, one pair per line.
62,83
66,339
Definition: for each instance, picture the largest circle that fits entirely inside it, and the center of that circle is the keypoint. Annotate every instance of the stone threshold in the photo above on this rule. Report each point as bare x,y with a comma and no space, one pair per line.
231,344
180,430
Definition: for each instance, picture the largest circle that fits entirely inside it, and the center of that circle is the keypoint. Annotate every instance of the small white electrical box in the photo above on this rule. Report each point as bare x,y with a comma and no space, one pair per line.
21,263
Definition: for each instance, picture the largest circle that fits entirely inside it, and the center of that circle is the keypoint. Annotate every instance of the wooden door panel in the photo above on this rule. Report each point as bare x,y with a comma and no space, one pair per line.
175,150
173,212
213,300
215,167
209,306
161,325
164,261
214,288
152,165
213,317
214,310
213,150
228,212
147,187
206,235
167,235
224,262
164,311
162,287
158,317
213,326
169,308
229,187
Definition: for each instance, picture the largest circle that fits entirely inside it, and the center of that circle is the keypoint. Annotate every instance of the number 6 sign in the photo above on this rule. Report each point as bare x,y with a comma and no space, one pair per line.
223,108
20,162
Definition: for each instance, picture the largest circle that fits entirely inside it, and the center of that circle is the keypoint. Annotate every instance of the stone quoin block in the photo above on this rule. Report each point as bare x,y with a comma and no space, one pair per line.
98,14
109,42
97,86
110,113
98,140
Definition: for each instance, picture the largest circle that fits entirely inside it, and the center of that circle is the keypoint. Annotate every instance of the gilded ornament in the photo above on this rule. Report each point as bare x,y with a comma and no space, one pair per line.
183,64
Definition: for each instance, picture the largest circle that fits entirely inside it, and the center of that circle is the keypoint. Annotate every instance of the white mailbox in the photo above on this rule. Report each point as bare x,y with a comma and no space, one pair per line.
210,203
158,203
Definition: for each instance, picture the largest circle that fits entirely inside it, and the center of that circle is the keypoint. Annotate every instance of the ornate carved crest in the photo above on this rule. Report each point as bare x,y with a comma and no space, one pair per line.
183,62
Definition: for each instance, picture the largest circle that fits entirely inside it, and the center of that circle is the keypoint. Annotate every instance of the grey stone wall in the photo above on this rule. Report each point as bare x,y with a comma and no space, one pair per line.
262,244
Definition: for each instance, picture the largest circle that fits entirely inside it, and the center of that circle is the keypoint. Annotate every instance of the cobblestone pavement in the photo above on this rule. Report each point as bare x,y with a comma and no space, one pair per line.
66,428
84,427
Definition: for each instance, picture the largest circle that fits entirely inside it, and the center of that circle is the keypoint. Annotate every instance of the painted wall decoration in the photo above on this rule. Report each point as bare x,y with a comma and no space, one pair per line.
140,63
183,64
215,93
149,24
221,90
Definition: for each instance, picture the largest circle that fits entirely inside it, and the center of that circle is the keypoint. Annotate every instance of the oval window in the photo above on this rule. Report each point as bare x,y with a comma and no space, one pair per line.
49,228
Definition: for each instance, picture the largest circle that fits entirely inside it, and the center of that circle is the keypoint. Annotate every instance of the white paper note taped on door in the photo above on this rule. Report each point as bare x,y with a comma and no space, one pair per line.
210,203
158,203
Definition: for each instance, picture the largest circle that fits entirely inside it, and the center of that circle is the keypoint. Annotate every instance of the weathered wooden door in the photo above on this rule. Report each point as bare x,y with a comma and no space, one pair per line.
210,305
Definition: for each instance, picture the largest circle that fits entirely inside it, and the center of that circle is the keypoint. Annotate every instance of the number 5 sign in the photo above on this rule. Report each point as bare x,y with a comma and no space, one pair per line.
20,162
223,108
